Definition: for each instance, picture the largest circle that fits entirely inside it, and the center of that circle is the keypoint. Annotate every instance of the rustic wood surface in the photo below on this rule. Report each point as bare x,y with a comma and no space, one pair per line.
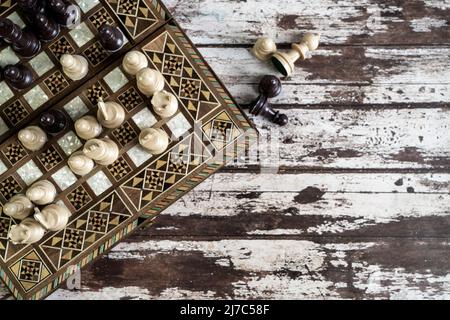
350,201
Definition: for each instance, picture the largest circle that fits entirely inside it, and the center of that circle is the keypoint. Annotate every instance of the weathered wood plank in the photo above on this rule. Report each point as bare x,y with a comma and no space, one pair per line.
343,76
283,269
367,22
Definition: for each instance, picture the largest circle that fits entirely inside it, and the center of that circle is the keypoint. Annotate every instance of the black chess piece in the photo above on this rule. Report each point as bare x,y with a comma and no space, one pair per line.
53,122
111,37
18,76
25,44
67,15
31,7
47,29
269,87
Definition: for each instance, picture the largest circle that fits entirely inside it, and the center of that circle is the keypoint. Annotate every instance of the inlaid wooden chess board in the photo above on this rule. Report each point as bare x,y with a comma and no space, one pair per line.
207,131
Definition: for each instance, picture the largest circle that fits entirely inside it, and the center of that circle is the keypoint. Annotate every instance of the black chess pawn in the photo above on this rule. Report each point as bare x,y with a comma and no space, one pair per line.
18,76
270,86
111,37
67,15
53,122
25,44
47,29
31,7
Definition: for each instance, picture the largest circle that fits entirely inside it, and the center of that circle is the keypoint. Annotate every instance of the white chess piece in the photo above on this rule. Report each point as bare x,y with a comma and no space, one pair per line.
150,81
134,61
29,231
102,151
155,141
19,207
88,128
264,49
53,217
165,104
80,164
42,192
74,66
33,138
110,114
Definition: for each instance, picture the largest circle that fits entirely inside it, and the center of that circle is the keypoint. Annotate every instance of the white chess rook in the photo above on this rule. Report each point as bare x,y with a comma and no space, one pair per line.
29,231
74,66
53,217
134,61
165,104
150,81
156,141
88,128
19,207
103,151
42,192
80,164
110,114
33,138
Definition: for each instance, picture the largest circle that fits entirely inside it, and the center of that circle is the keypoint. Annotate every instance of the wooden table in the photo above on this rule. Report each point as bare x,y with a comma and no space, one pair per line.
351,200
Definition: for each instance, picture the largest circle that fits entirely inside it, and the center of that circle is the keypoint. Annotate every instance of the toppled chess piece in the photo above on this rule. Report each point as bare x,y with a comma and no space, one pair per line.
74,66
150,81
29,231
165,104
134,61
269,87
32,138
285,61
47,29
42,192
81,164
25,44
18,76
53,122
110,114
65,14
111,37
19,207
156,141
264,49
88,128
53,217
103,151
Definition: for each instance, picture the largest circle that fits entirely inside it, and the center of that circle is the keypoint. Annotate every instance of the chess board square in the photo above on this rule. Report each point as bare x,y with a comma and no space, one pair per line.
9,188
15,112
36,97
56,82
138,155
3,167
64,178
125,134
76,108
130,99
97,222
14,152
144,119
116,79
29,172
100,17
79,198
30,270
50,158
87,5
99,183
81,34
6,92
179,125
41,63
4,227
95,53
14,17
70,143
73,239
8,57
3,127
61,47
119,169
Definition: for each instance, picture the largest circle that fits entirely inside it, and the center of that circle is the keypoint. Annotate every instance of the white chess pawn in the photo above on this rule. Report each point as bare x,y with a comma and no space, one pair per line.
150,81
42,192
80,164
110,114
29,231
74,66
102,151
53,217
33,138
19,207
134,61
88,128
264,49
155,141
165,104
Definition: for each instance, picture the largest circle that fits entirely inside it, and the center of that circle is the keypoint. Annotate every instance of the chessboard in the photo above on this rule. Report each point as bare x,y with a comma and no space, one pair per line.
206,132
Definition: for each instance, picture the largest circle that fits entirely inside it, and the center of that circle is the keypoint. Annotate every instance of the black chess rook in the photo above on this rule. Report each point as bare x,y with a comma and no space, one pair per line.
111,37
53,122
23,43
47,29
18,76
65,14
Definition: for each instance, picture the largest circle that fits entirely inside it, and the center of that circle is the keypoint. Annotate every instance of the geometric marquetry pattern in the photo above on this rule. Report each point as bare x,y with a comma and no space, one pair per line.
56,82
16,112
14,152
221,130
130,99
125,134
79,198
9,188
119,169
167,57
95,53
50,158
89,228
101,17
30,270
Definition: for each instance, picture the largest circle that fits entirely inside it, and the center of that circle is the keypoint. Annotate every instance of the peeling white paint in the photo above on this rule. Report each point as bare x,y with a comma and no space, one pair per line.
427,24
